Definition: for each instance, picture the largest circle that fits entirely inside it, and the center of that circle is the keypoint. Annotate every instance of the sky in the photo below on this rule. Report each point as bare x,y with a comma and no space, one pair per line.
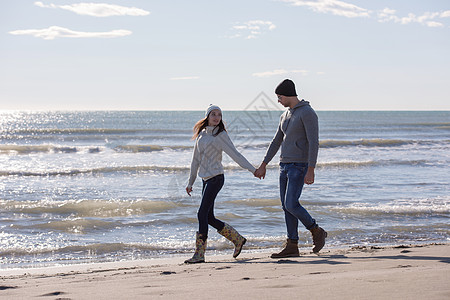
185,55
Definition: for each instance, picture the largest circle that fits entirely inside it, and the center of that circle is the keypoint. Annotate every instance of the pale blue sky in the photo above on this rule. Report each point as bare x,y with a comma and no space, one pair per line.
173,54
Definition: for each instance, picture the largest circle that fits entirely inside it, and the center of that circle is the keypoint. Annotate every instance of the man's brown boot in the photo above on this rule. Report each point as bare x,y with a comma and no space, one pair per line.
290,250
319,236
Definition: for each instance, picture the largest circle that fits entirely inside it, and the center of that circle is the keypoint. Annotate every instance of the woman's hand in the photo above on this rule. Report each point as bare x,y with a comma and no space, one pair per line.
189,190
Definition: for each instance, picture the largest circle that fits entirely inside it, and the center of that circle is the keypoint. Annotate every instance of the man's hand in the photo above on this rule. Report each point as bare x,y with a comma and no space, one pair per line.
309,177
261,171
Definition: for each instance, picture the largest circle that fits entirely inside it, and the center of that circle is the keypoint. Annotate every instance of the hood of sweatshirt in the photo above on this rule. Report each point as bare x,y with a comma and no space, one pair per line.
300,104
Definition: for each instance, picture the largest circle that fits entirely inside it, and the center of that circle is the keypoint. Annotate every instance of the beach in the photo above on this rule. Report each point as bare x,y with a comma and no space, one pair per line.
400,272
93,206
106,186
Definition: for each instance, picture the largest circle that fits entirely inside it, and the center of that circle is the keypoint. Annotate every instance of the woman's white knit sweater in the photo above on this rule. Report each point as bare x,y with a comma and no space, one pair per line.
207,157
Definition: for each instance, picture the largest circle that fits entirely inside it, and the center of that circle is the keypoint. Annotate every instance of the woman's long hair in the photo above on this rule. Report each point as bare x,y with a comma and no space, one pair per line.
200,125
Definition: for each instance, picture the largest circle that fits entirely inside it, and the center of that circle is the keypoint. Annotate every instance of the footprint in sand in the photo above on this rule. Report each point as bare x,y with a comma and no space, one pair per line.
5,287
167,273
222,268
53,294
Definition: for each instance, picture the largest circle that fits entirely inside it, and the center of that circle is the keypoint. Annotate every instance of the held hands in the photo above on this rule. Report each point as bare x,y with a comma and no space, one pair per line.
261,171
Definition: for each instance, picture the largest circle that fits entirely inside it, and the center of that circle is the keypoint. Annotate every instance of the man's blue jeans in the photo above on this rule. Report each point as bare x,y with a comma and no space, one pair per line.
292,176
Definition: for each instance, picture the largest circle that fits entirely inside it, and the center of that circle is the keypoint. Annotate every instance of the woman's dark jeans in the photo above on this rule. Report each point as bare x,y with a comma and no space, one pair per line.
205,215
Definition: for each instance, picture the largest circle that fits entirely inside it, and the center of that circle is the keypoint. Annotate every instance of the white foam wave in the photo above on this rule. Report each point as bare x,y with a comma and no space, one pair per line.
28,149
440,205
89,208
255,202
77,226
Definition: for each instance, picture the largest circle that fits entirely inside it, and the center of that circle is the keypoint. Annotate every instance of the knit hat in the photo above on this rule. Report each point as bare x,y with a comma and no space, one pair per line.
286,88
211,108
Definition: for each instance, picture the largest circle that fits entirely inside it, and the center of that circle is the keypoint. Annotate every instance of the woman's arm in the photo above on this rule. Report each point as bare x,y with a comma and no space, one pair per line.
194,167
228,147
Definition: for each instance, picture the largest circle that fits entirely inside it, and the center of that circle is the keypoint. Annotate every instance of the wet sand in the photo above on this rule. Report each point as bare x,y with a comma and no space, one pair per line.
398,272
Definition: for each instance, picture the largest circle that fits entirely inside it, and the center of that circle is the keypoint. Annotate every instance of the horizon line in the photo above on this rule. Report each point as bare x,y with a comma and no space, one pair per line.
202,110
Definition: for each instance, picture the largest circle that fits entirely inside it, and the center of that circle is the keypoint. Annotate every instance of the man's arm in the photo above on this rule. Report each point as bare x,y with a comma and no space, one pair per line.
271,151
311,124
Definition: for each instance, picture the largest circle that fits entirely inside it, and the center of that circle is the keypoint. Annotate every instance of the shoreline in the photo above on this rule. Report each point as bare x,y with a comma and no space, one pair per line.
365,272
303,248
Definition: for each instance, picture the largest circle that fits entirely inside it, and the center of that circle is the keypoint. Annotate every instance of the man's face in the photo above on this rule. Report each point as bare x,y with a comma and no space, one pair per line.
282,100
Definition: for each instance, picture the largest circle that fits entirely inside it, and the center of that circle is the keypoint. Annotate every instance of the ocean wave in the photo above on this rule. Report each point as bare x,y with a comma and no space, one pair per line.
77,226
138,148
51,149
128,148
88,131
415,207
113,250
370,143
97,250
183,169
101,170
429,124
81,224
255,202
148,148
333,143
89,208
369,163
28,149
274,204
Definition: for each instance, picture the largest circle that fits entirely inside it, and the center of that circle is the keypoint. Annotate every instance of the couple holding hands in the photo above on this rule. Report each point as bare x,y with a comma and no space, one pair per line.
298,137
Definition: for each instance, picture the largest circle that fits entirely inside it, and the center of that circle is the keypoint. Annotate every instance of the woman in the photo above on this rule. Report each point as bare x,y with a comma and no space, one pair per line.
211,139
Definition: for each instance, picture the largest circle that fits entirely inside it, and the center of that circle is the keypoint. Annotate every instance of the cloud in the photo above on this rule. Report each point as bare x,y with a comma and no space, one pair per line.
344,9
389,15
185,78
252,29
279,72
97,9
335,7
55,32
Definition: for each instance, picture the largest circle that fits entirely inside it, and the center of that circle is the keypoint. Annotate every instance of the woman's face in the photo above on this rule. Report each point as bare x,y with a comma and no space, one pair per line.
214,117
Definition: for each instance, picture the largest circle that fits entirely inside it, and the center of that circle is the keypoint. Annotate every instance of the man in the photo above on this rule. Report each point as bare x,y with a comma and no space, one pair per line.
298,136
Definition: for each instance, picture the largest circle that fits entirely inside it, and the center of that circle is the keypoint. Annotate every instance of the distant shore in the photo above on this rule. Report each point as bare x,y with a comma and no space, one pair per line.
400,272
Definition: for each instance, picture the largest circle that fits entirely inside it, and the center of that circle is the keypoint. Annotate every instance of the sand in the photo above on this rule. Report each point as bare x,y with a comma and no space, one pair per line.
401,272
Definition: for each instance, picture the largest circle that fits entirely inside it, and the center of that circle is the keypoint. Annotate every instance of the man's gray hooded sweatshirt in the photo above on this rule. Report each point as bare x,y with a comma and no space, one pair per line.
298,136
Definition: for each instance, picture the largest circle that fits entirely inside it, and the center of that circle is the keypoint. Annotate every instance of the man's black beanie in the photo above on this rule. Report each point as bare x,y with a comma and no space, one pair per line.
286,88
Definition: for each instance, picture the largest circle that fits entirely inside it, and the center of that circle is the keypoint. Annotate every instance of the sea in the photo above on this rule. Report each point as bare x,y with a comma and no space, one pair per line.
100,186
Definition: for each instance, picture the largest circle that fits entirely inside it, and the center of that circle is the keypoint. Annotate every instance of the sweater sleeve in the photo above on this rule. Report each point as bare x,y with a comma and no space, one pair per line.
195,164
274,145
229,148
311,124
